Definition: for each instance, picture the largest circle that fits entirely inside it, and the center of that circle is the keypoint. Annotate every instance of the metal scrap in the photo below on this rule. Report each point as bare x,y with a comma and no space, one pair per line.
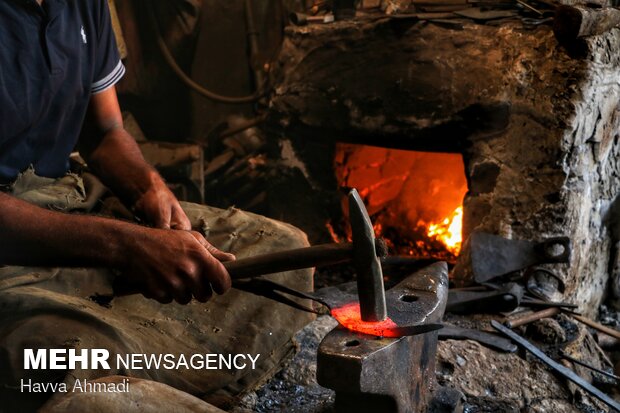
493,256
581,363
493,341
478,14
567,373
505,298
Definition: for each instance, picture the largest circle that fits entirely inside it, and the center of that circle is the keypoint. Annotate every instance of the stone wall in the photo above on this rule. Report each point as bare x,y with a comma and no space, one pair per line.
537,123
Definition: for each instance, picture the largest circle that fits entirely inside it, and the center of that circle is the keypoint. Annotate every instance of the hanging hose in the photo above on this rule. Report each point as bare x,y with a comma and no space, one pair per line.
165,51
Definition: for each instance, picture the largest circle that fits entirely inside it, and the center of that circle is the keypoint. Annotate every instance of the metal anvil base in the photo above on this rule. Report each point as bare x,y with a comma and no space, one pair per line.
390,374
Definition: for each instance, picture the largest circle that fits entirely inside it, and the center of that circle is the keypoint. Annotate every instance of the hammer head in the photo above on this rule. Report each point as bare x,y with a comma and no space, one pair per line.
369,274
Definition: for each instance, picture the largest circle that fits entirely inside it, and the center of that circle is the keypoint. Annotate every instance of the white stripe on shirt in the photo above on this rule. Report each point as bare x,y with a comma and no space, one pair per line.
110,80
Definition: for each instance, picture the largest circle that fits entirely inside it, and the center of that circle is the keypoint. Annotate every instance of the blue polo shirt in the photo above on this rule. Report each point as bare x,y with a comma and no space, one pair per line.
52,59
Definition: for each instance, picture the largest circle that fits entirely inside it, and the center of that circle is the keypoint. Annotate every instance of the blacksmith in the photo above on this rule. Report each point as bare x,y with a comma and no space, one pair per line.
58,67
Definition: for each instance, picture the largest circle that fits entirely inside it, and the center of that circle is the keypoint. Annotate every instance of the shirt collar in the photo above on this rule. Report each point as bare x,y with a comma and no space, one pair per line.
50,8
53,7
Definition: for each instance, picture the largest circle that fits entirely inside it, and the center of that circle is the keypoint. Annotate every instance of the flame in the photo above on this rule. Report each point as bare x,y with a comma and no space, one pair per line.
332,233
378,228
408,195
448,231
349,316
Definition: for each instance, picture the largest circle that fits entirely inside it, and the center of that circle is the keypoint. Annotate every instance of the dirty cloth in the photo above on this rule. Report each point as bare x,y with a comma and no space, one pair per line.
44,308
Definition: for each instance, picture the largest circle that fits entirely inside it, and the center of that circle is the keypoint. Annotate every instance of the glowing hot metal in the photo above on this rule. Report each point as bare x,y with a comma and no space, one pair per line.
349,317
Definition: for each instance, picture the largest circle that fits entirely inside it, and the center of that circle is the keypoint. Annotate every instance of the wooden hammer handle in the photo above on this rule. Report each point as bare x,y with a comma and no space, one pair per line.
319,255
598,326
316,256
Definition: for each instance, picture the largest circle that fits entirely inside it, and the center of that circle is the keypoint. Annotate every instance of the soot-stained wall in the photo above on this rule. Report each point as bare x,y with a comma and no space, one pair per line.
537,125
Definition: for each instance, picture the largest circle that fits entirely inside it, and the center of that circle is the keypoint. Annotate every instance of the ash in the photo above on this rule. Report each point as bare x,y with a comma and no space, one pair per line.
609,317
294,389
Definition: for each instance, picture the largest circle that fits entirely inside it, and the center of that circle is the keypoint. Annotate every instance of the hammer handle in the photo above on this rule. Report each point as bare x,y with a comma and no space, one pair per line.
316,256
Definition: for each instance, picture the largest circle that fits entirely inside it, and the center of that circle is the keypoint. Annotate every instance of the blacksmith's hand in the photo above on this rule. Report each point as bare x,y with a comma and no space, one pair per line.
160,208
176,265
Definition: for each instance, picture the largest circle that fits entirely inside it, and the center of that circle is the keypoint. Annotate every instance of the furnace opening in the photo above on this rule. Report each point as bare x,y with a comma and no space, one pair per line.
414,198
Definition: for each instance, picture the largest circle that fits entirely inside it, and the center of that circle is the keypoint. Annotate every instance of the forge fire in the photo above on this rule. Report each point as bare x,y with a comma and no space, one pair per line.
399,206
415,198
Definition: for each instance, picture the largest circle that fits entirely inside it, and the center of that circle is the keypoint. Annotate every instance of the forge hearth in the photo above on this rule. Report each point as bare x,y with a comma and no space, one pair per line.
415,198
536,123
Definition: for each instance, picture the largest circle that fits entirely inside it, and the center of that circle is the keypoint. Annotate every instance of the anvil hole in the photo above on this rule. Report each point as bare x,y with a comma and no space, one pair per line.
409,298
555,250
352,343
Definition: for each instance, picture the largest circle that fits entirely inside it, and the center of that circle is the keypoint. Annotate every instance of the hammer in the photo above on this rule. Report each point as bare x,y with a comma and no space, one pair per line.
364,251
301,19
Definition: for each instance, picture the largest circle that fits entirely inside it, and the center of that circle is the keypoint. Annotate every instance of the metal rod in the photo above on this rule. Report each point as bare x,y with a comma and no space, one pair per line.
564,371
490,340
535,10
581,363
543,303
